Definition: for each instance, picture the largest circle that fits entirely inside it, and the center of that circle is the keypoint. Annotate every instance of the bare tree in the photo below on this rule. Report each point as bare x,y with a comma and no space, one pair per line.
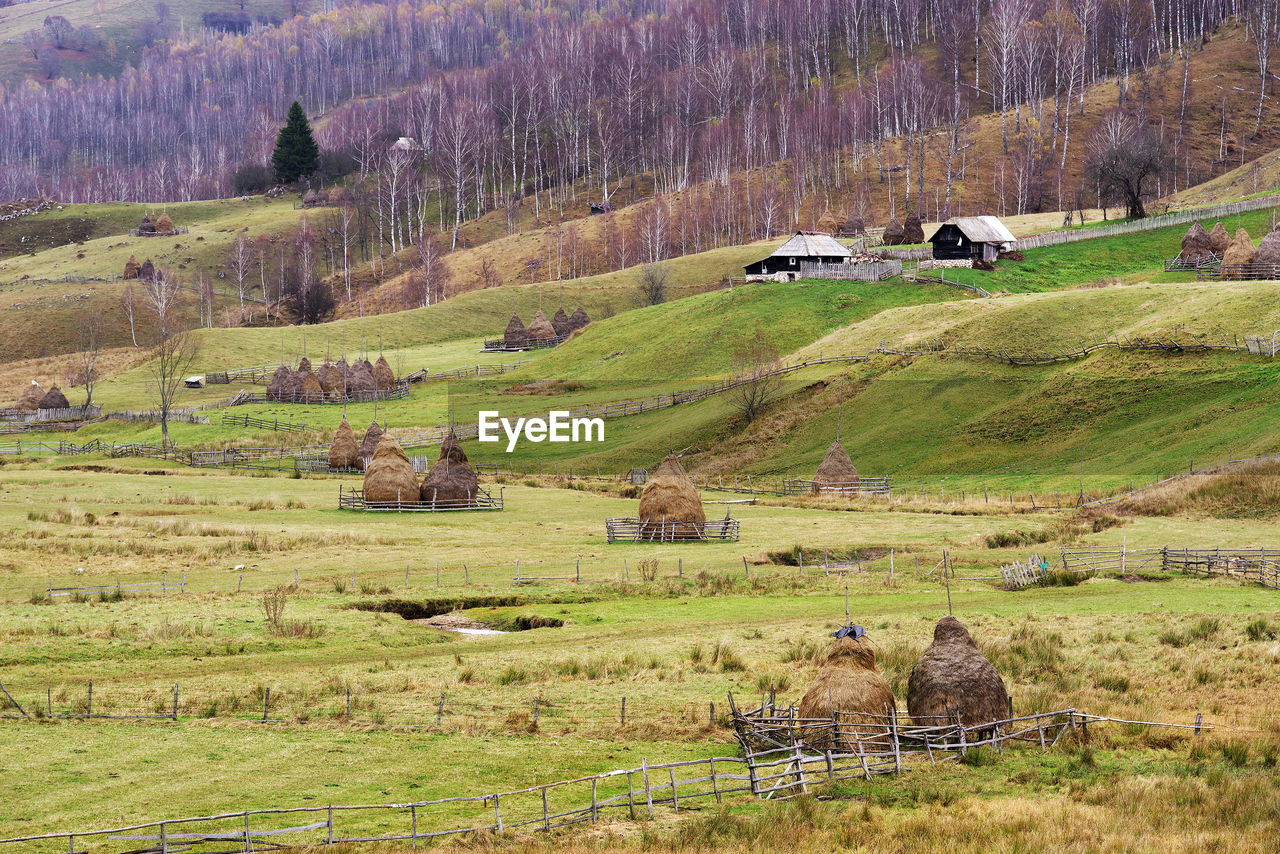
171,360
161,294
127,305
84,371
756,376
241,262
489,275
1124,160
653,284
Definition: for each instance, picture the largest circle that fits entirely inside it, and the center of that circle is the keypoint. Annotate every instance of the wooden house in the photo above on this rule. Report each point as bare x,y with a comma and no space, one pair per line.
970,237
804,247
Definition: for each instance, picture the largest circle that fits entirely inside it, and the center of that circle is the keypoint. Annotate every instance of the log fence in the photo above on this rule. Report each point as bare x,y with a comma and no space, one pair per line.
275,424
633,530
1238,273
864,272
68,413
353,499
499,345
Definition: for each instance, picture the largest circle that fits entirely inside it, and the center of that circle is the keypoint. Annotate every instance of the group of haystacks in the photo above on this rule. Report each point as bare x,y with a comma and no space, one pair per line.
158,227
1238,254
146,271
899,233
389,477
540,329
35,397
337,381
951,681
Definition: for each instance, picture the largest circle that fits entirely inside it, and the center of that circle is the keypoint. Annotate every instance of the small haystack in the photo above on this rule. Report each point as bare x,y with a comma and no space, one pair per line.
668,499
276,386
516,335
1238,256
310,388
854,225
1266,258
836,472
850,687
384,379
540,327
389,475
147,272
30,399
304,364
292,385
361,379
1196,247
54,399
893,233
450,480
913,230
560,322
1219,239
372,437
331,381
953,678
344,453
579,319
131,268
342,366
164,225
451,449
146,226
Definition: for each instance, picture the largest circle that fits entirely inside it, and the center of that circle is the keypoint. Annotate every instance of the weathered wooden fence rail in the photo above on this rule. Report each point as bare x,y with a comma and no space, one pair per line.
275,425
1057,238
68,413
353,499
865,272
662,531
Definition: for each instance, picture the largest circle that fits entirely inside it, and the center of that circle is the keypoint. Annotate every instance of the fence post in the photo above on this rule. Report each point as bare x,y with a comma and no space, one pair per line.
440,710
648,793
746,569
624,711
175,701
329,822
266,703
89,706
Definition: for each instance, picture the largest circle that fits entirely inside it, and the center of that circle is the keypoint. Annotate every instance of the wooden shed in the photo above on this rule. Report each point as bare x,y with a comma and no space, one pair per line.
969,237
804,247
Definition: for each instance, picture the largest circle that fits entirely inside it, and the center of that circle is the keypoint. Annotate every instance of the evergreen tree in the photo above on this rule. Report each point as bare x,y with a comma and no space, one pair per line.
296,150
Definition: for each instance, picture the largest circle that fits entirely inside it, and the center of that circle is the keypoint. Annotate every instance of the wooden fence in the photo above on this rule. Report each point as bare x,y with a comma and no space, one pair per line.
1238,273
353,499
164,585
275,424
398,392
863,486
499,345
68,413
1021,574
183,416
868,272
1259,565
632,530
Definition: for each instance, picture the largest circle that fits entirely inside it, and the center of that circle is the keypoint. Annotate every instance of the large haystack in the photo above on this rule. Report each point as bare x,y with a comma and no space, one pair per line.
54,399
854,225
146,226
836,472
579,319
360,379
164,225
1196,247
913,230
449,482
850,687
372,437
344,453
1266,258
30,398
276,386
147,272
893,233
516,335
292,385
540,327
669,503
310,388
131,268
953,678
331,380
1238,257
560,322
1219,239
389,475
451,449
384,379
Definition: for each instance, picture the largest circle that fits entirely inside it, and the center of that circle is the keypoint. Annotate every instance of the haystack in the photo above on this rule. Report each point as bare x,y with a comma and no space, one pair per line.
669,499
836,472
516,335
292,385
384,379
855,225
131,268
1219,239
276,386
146,226
560,322
579,319
360,379
1266,258
1196,247
850,687
953,678
304,364
366,364
389,475
451,449
343,368
164,225
309,388
449,482
1238,256
30,399
913,230
540,327
331,380
893,233
147,272
372,437
54,399
344,453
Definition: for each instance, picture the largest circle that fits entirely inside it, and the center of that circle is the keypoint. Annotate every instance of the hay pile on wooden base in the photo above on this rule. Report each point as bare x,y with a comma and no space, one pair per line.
579,319
1219,239
360,379
131,268
1238,256
292,385
384,379
54,399
310,387
669,502
540,327
836,472
850,689
146,226
560,322
343,367
304,364
953,678
1196,247
893,233
164,225
372,437
389,475
29,400
449,482
366,364
451,449
1266,258
331,381
276,386
344,453
913,230
516,335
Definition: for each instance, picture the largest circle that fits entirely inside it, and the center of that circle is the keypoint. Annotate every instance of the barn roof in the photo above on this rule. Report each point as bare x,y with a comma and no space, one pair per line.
812,244
981,229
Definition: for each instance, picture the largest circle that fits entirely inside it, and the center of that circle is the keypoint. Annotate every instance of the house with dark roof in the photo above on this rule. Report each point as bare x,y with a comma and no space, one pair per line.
804,247
970,237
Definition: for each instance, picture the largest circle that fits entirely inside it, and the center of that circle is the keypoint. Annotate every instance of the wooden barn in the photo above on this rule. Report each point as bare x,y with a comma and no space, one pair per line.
804,247
970,237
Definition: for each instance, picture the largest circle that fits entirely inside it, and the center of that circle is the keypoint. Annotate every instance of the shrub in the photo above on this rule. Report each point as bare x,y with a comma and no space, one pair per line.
1236,753
1260,630
252,178
1113,682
